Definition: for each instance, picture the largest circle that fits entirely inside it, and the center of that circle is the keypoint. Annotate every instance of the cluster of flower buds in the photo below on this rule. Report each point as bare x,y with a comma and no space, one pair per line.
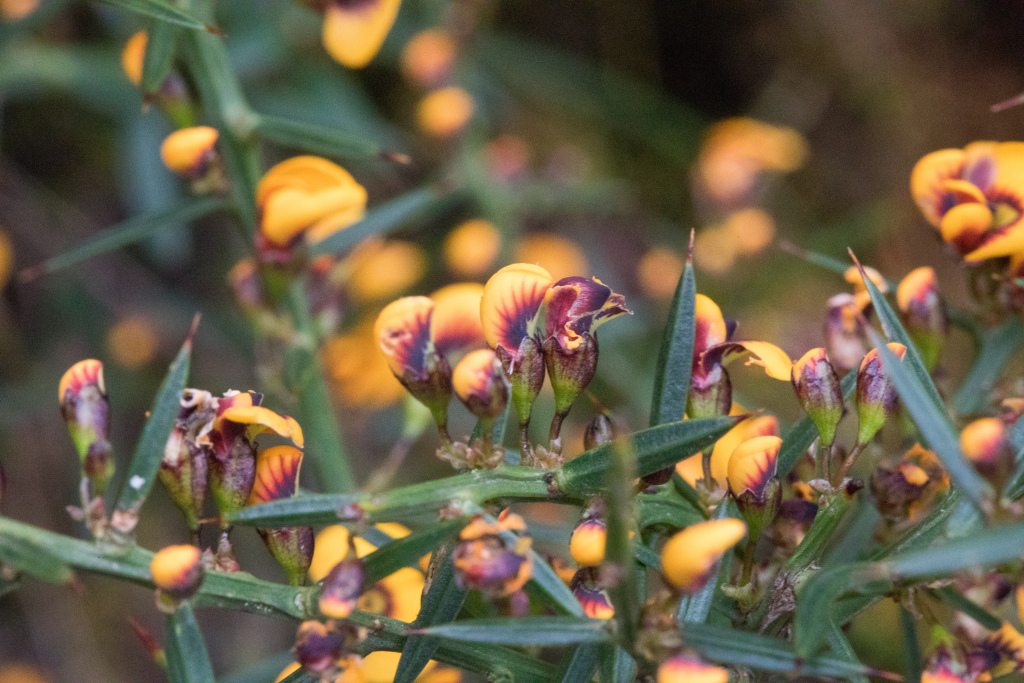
414,336
494,557
178,573
213,447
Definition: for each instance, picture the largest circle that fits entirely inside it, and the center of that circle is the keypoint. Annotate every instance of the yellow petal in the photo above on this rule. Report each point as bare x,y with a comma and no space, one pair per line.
710,328
510,302
1005,242
928,178
688,556
916,286
475,375
965,225
265,420
133,55
402,333
456,320
384,270
775,361
308,173
79,375
187,150
354,31
277,474
752,464
288,211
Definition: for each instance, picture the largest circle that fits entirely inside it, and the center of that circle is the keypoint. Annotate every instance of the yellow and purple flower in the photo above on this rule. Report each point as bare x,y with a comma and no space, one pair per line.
508,313
752,481
691,468
178,573
924,312
973,196
689,557
817,388
687,669
587,543
342,587
277,477
574,308
494,557
876,397
845,331
354,30
318,649
984,443
586,586
190,151
83,403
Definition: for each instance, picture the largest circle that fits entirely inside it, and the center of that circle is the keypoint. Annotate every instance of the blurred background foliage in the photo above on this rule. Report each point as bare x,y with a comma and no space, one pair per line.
596,143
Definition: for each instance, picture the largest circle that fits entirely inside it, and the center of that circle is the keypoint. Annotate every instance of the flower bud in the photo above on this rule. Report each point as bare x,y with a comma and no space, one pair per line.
178,573
183,471
941,674
586,586
845,331
190,151
471,248
599,432
753,483
983,442
402,332
876,396
817,388
341,588
133,55
710,393
689,558
588,542
445,112
924,313
83,403
353,32
277,477
318,648
494,557
428,56
688,669
480,384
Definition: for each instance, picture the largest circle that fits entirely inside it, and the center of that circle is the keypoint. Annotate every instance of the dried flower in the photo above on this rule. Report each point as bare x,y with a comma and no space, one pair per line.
318,647
341,588
586,586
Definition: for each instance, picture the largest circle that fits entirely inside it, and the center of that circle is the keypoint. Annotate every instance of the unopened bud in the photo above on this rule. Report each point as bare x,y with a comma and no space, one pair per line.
341,588
689,558
183,472
318,648
710,393
924,313
178,573
588,542
487,559
688,669
83,403
190,151
876,396
587,588
983,442
818,390
480,384
752,481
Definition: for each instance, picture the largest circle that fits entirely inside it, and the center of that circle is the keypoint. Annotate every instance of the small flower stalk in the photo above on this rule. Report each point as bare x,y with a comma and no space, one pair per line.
494,557
178,573
924,313
277,478
509,309
574,308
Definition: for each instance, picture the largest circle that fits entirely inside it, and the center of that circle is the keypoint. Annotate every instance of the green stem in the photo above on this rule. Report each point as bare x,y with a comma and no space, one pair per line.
748,561
850,460
822,530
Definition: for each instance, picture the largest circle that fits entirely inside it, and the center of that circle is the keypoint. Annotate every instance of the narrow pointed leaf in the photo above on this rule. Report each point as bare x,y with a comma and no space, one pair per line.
150,449
523,631
316,139
656,448
582,665
396,214
35,559
619,557
675,358
934,423
958,601
187,658
548,586
842,649
911,648
128,232
763,653
616,666
406,552
159,57
162,11
999,346
800,437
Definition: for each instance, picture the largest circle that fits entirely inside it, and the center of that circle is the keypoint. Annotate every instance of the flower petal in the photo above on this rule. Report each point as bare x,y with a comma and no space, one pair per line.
688,556
576,306
752,464
964,226
354,31
456,320
511,300
277,474
402,333
188,150
79,375
775,361
928,178
264,420
475,375
710,325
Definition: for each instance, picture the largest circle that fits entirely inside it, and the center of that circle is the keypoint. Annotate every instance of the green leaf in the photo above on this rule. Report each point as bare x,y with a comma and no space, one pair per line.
316,139
656,448
159,57
958,601
648,557
895,331
187,658
150,450
442,600
616,666
264,670
620,559
911,647
128,232
842,649
544,583
398,213
675,358
524,631
35,559
999,346
162,11
926,531
582,665
800,437
729,646
666,507
405,503
695,608
406,552
934,423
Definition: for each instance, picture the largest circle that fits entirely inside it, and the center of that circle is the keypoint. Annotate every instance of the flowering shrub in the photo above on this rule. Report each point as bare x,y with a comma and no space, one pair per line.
719,542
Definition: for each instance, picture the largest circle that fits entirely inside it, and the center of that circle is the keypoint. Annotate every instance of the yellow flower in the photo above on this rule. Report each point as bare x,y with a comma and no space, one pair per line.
686,669
455,322
559,256
480,385
587,543
427,58
586,586
658,272
402,332
360,372
752,465
189,151
133,55
974,197
689,557
751,229
445,112
307,196
691,469
924,311
471,248
510,303
380,271
485,560
177,570
354,30
133,341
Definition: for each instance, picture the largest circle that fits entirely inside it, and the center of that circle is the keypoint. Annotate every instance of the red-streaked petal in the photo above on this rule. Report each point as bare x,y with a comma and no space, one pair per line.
511,300
277,474
262,420
456,319
577,306
402,332
475,375
710,325
82,373
752,464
